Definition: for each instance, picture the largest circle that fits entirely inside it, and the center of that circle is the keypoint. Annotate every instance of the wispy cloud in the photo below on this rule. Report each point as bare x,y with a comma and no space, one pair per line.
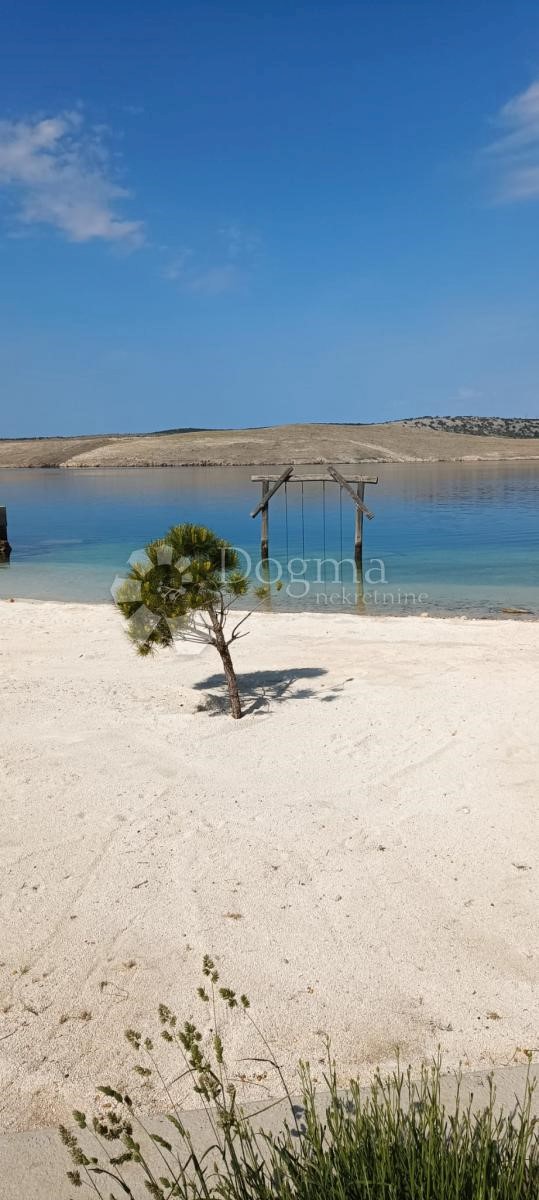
468,393
58,172
238,243
224,265
514,153
207,280
216,280
178,266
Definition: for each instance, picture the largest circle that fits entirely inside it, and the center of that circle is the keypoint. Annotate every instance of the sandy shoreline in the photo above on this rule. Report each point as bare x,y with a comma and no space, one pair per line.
360,852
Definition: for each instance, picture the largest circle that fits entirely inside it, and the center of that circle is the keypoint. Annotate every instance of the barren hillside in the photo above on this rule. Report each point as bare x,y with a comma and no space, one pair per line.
400,441
46,452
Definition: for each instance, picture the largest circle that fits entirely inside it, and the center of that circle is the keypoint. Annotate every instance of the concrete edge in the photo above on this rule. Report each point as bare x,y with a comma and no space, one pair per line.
33,1164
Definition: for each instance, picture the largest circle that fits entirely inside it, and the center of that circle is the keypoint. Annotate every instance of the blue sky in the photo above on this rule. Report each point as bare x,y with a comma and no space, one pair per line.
222,214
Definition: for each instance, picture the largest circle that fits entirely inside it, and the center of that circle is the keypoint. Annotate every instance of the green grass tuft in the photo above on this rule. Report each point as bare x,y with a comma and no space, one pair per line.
399,1142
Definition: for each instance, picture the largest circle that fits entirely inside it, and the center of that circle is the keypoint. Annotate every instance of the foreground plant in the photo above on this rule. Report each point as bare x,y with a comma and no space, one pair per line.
400,1143
186,587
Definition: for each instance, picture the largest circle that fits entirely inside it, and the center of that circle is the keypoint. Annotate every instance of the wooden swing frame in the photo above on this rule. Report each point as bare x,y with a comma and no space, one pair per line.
351,483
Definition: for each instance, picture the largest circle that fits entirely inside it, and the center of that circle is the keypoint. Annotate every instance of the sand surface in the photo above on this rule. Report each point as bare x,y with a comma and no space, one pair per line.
360,853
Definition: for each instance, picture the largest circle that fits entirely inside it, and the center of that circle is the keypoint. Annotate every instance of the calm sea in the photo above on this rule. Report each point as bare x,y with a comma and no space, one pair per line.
445,537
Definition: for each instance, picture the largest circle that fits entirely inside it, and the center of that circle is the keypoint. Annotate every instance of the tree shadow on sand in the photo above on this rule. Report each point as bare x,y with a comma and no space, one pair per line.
260,690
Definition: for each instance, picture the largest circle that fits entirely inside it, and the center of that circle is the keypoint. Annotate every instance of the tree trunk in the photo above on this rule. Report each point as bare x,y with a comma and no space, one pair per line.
228,667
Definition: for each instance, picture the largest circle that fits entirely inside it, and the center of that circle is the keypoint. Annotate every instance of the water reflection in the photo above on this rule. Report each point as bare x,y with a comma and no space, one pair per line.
466,535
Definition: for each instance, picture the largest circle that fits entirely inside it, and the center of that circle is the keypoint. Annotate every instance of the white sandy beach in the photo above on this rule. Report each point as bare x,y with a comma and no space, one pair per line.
359,853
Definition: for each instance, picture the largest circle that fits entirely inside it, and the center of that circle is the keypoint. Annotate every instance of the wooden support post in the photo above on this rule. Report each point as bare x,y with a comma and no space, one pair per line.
263,507
264,535
358,531
5,548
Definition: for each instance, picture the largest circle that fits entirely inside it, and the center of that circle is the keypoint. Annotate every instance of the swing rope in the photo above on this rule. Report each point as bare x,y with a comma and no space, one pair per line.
324,526
302,524
286,519
340,529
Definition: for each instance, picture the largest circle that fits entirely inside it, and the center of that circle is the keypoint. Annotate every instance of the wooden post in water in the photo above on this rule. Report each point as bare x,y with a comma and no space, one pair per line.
264,535
358,532
267,493
5,548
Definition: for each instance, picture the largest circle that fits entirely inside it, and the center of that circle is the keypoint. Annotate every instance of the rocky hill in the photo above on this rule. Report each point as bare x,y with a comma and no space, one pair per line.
512,427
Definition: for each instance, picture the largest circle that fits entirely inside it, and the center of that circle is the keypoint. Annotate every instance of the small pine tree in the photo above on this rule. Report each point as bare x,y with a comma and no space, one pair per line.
186,588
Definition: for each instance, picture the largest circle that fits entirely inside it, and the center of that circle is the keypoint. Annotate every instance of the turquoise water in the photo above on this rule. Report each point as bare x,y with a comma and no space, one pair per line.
445,537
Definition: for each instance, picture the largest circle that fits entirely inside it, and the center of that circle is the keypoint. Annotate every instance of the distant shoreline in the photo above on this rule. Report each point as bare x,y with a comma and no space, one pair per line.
205,465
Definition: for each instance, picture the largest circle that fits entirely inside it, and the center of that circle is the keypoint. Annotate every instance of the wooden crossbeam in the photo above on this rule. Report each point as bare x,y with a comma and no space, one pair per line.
336,475
267,496
318,478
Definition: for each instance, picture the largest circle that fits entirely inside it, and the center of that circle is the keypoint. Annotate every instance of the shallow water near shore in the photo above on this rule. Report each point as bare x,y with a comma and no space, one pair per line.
445,538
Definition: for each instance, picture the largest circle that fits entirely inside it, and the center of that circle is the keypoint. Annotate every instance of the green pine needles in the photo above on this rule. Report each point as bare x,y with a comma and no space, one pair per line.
185,587
398,1143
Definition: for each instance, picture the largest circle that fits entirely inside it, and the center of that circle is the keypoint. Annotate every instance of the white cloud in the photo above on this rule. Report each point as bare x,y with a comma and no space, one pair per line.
58,172
515,152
